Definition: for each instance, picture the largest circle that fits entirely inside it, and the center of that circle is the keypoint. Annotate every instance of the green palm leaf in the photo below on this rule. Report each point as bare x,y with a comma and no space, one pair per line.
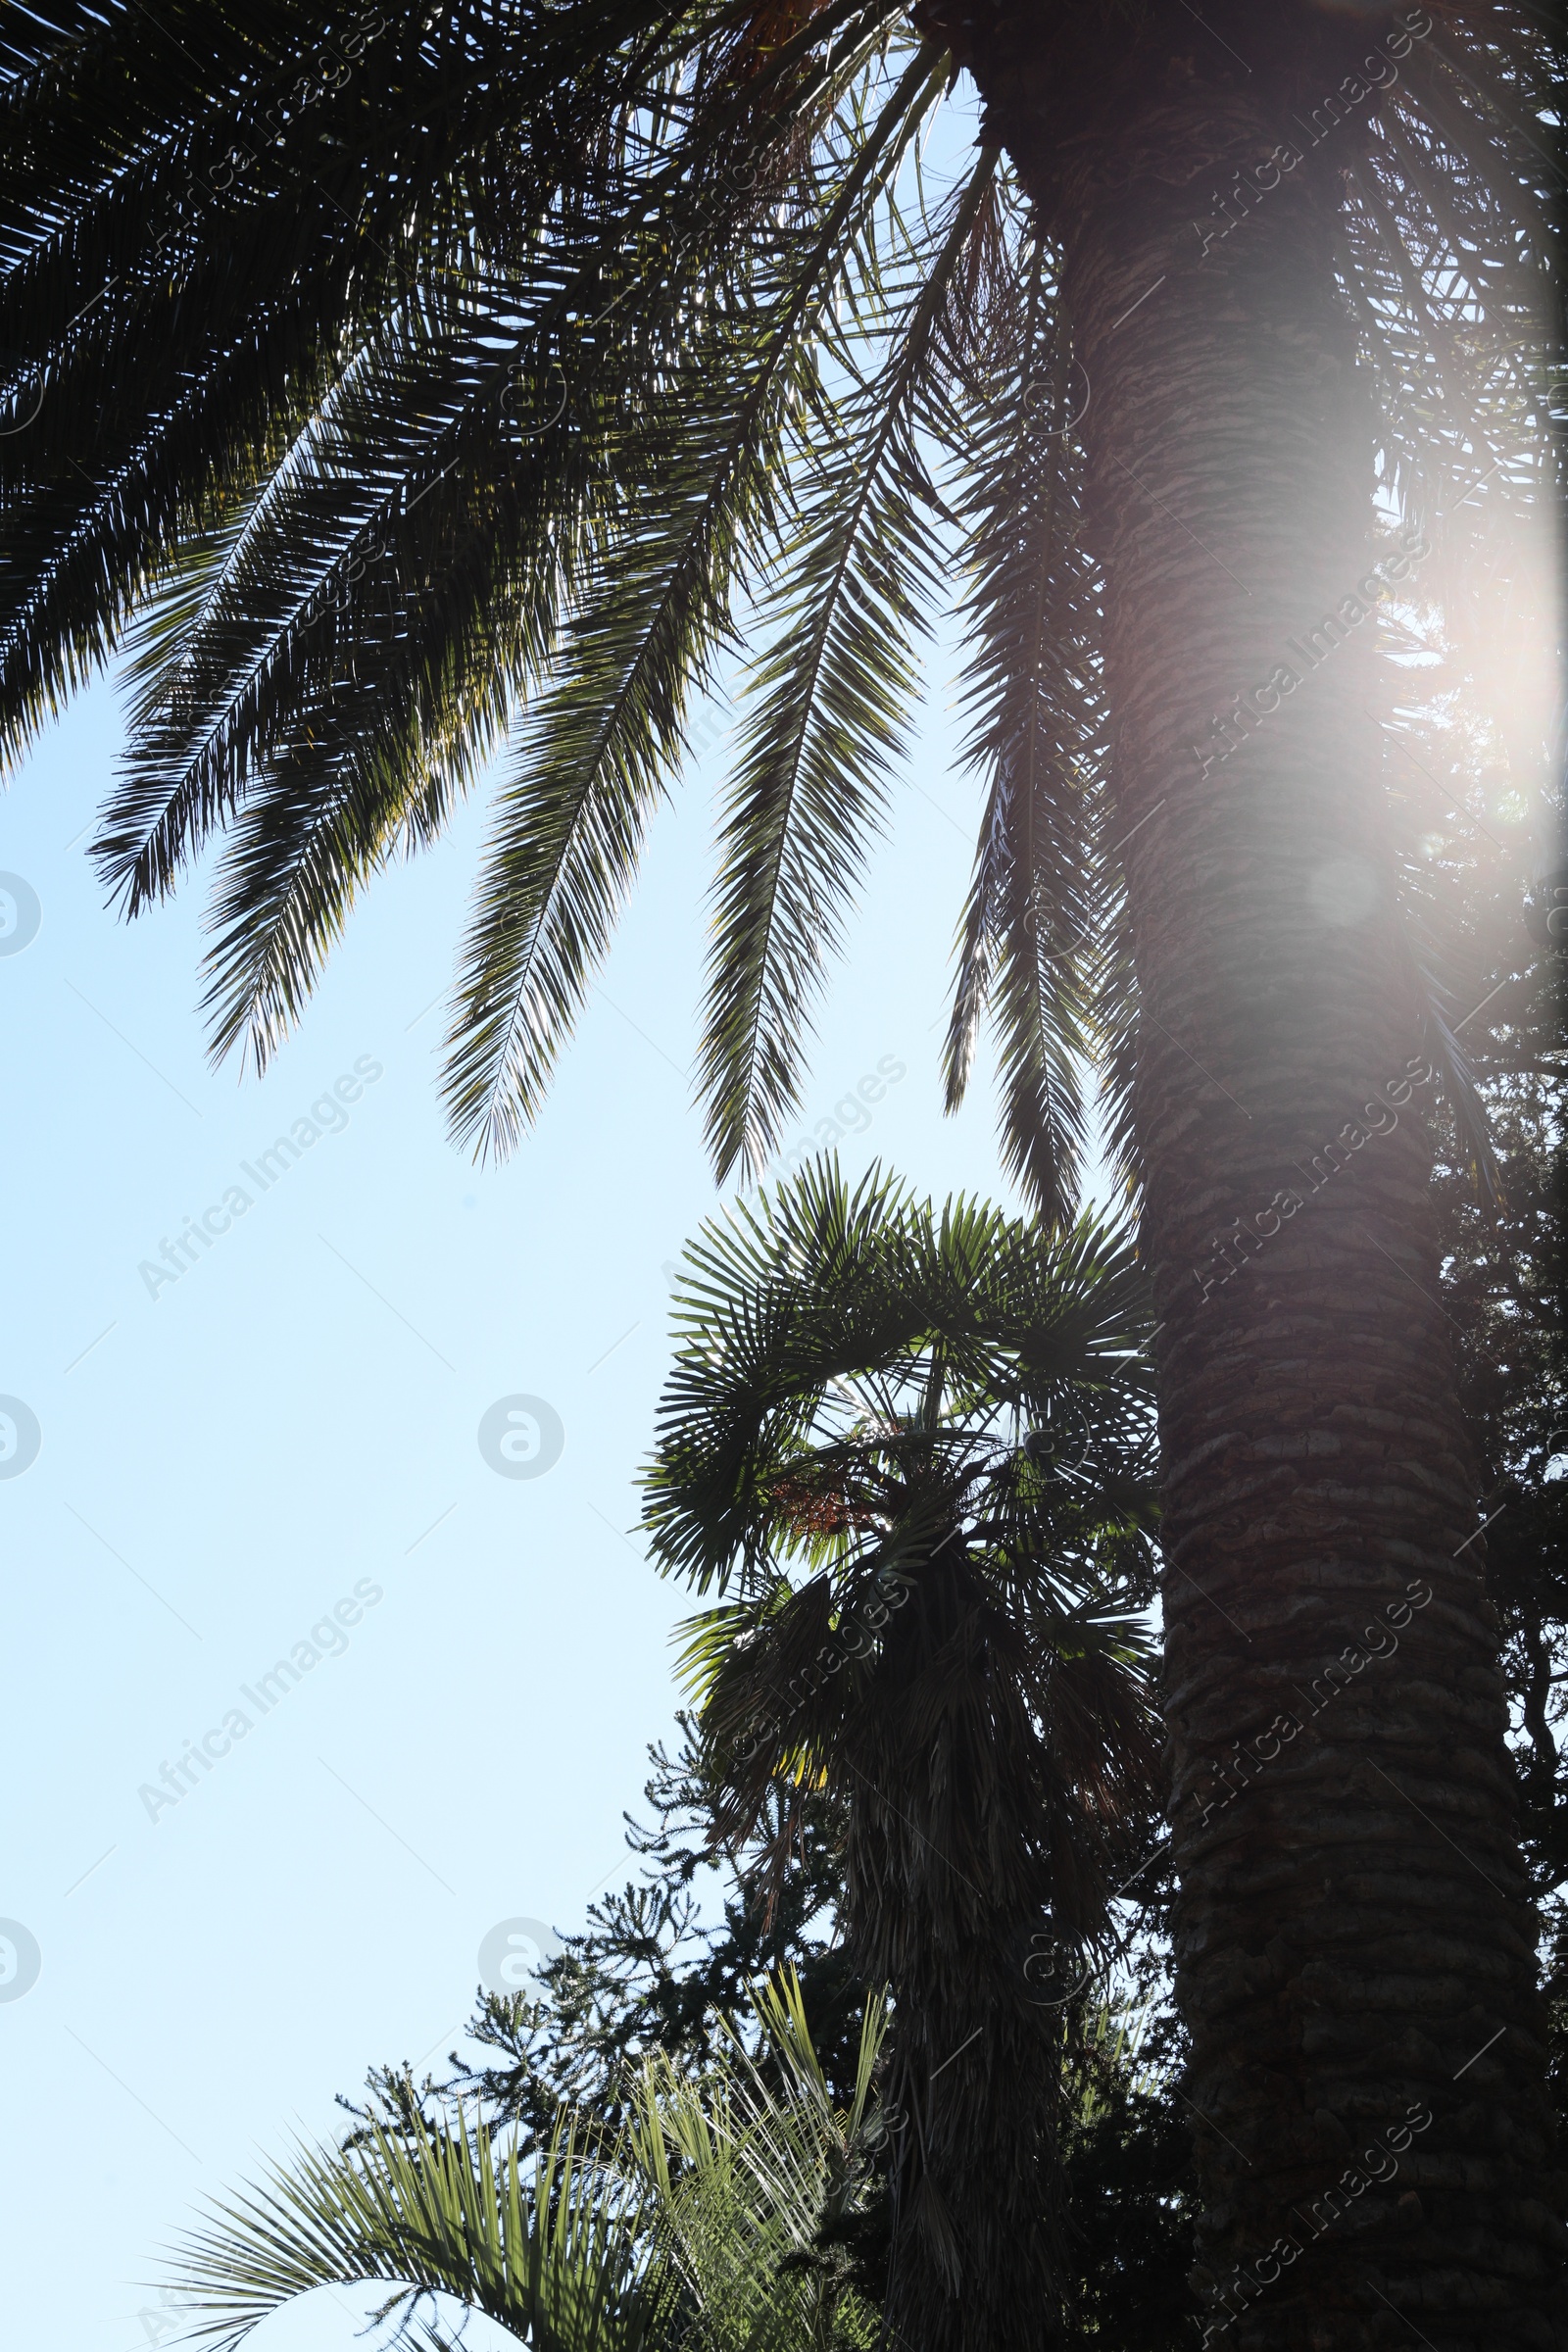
583,2245
571,828
835,691
1039,897
554,2256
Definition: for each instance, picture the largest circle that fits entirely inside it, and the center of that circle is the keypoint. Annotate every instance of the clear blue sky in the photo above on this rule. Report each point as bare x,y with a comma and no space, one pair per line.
226,1456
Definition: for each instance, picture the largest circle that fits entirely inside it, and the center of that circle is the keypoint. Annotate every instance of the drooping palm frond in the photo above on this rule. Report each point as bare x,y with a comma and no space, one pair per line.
859,570
642,643
1036,908
211,255
315,700
1449,260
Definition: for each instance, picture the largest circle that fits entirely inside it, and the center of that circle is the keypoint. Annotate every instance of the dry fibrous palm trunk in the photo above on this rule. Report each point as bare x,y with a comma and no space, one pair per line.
1354,1935
944,1880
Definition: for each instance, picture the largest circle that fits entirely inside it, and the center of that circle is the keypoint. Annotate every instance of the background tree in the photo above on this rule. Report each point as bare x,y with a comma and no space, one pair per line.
648,1975
512,362
909,1454
654,1973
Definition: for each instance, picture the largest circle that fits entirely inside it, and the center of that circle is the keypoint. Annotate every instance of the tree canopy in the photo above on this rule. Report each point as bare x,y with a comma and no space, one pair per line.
403,389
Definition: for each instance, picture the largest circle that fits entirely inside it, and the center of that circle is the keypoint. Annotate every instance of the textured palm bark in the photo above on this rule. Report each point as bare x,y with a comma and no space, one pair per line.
944,1883
1354,1939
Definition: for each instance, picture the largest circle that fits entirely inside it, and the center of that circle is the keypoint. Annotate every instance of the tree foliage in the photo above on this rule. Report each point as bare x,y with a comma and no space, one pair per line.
703,2221
403,390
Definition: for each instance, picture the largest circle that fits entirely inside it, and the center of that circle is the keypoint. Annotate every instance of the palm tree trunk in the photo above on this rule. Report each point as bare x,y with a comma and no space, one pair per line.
944,1880
1354,1935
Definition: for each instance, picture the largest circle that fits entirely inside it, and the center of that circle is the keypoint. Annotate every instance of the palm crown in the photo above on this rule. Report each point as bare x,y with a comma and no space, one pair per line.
871,1399
413,382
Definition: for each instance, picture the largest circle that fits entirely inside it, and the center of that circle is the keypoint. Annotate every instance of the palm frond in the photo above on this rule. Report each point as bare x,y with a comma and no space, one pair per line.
584,2244
1037,900
571,827
747,2168
834,692
554,2256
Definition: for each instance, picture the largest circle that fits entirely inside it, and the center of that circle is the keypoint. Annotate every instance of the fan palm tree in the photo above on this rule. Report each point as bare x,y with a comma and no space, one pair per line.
700,2226
910,1455
388,381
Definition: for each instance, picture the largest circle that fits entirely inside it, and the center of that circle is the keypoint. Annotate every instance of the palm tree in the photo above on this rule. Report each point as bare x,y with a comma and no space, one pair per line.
700,2226
905,1450
402,377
